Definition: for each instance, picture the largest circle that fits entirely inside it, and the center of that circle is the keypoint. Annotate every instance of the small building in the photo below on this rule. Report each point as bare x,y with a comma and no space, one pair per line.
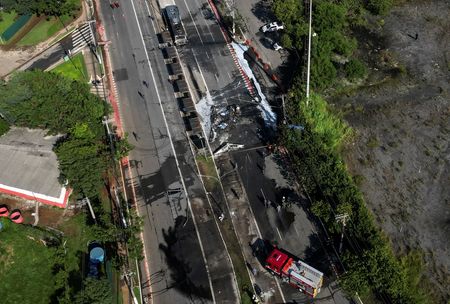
29,167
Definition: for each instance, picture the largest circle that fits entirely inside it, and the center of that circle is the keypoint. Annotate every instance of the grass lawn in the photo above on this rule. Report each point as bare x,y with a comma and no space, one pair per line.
208,172
77,234
6,20
25,265
43,30
74,69
4,126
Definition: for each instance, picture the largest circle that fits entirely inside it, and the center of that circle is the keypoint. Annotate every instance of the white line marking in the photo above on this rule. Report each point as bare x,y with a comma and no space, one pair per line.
279,234
296,231
171,144
195,25
281,292
206,24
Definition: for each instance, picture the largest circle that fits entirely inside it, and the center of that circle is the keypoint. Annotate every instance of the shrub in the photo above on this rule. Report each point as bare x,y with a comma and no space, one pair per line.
4,126
286,41
379,7
355,69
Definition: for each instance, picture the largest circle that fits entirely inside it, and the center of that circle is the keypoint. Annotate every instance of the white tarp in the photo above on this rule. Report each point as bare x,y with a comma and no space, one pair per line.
270,118
203,108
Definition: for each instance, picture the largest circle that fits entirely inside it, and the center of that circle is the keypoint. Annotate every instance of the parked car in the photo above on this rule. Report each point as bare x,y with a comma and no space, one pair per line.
277,47
270,44
272,27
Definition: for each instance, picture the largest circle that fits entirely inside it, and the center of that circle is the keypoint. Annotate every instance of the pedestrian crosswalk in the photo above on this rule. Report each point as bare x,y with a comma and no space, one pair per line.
81,37
98,87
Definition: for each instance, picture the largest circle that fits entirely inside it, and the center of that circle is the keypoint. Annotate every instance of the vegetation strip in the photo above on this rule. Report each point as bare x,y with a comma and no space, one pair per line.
315,137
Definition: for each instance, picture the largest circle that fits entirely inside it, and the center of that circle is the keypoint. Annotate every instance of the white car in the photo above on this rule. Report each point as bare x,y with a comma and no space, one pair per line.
272,27
277,47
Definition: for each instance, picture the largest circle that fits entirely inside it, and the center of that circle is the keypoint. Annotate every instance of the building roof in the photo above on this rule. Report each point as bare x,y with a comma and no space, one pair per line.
29,168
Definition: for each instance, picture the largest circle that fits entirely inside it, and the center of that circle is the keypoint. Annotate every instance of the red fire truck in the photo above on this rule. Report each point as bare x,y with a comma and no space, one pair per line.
295,272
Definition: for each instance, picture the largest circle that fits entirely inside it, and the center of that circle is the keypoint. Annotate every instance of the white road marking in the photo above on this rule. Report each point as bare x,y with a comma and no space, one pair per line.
251,210
279,234
296,231
195,25
206,24
229,76
171,142
279,289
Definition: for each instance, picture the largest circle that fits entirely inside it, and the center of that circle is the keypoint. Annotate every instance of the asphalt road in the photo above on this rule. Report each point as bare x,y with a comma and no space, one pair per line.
162,167
50,56
290,228
208,55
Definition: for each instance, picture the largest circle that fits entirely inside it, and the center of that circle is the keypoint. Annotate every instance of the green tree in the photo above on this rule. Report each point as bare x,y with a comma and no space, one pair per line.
355,69
122,147
133,235
4,126
355,280
50,101
39,7
329,16
286,41
289,12
82,163
38,99
94,291
379,7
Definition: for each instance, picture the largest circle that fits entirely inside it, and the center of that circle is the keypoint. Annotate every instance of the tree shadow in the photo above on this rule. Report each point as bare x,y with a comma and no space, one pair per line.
152,187
263,12
181,270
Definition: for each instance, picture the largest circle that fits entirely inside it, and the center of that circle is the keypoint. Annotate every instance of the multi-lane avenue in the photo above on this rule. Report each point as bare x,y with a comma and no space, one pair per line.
186,260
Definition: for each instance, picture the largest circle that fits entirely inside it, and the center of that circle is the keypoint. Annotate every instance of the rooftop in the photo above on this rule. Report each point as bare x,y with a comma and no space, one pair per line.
29,168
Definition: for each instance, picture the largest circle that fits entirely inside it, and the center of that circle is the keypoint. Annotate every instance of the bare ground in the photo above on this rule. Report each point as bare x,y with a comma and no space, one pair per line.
402,121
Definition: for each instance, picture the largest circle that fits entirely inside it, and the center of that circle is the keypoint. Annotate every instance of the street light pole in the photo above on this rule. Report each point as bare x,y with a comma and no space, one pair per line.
309,54
342,218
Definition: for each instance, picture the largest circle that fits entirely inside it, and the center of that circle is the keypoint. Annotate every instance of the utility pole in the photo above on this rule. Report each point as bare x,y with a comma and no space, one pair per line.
284,108
308,73
342,218
90,208
231,6
266,202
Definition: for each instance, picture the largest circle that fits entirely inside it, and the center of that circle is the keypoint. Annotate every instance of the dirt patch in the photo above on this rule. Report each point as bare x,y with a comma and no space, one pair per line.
402,118
48,216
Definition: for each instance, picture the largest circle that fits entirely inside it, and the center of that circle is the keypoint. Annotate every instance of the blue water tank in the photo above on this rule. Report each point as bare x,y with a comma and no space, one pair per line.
97,254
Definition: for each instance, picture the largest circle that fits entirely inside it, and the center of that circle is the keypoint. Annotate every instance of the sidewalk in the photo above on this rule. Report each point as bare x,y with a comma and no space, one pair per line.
95,74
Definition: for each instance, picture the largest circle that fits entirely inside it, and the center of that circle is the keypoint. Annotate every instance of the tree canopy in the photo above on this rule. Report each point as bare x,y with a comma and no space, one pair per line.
50,101
39,7
37,99
95,291
333,44
371,266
